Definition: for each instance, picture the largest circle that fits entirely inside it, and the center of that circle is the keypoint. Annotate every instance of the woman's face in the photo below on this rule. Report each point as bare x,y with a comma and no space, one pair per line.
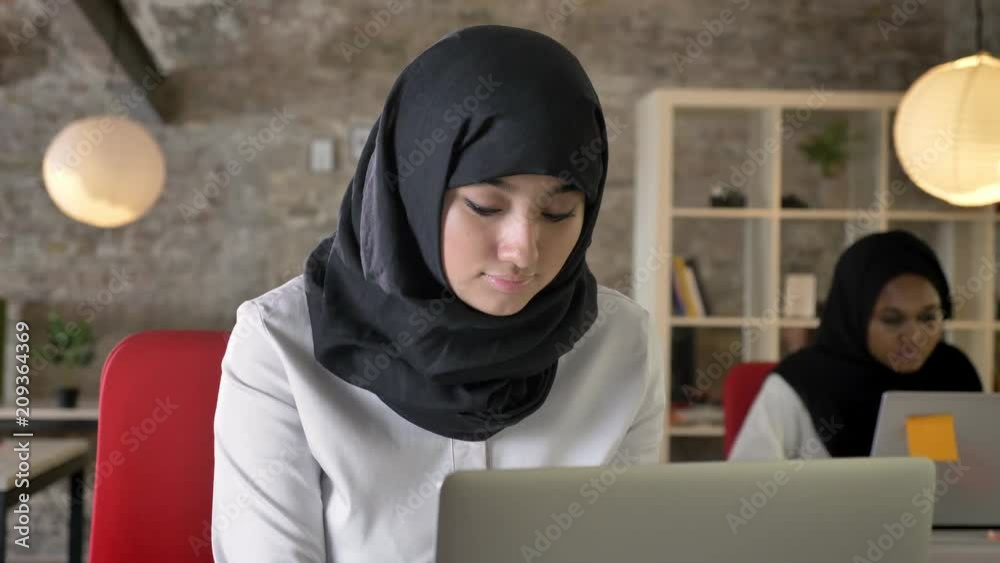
906,323
504,240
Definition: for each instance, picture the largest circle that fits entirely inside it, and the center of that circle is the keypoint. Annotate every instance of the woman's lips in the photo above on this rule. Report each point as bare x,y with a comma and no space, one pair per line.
507,284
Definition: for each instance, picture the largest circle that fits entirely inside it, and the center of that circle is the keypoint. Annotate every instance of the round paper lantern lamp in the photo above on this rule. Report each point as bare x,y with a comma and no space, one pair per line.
104,171
947,131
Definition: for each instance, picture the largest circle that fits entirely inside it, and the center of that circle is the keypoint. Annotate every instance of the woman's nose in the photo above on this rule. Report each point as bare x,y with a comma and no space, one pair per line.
913,333
519,243
906,329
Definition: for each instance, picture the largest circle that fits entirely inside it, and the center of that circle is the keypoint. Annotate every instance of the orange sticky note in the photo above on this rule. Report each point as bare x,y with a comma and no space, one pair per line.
932,436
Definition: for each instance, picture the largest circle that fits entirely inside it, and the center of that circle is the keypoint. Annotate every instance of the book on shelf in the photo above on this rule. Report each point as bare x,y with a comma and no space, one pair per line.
678,303
688,291
699,288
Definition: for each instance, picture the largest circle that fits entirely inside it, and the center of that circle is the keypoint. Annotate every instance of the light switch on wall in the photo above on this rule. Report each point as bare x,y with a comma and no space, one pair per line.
321,155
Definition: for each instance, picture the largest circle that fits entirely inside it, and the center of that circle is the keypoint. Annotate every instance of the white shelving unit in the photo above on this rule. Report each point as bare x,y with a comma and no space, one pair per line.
870,198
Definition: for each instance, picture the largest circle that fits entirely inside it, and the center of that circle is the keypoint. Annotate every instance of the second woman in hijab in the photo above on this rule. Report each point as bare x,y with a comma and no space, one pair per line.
881,330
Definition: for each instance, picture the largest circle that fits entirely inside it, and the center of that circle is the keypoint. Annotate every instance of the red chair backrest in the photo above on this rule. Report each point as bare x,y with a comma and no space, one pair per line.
155,440
739,390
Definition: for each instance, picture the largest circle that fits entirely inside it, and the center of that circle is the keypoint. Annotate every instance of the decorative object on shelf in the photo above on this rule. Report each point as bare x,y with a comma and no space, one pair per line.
829,148
724,196
800,296
945,134
70,345
793,202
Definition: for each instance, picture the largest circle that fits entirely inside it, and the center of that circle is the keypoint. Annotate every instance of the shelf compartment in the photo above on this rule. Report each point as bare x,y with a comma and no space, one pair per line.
848,183
721,269
809,247
724,148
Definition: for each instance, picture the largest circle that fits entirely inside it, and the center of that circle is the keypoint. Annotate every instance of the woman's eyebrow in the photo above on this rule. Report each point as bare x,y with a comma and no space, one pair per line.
500,183
897,311
561,189
507,187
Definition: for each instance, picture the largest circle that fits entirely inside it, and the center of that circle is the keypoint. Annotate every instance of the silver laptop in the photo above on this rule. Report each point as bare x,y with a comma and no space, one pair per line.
966,493
820,511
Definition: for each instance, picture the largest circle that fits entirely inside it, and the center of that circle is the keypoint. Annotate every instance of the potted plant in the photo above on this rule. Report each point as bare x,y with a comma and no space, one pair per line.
828,149
72,347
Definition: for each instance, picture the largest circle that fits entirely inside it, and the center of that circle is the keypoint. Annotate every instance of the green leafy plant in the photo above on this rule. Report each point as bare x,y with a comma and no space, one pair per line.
829,148
70,345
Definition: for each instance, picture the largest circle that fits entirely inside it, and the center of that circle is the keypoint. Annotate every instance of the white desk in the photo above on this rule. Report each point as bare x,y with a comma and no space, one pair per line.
51,460
82,412
46,419
963,546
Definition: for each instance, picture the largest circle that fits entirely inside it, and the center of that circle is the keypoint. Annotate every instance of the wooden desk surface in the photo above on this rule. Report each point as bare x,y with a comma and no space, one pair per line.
45,454
85,411
963,546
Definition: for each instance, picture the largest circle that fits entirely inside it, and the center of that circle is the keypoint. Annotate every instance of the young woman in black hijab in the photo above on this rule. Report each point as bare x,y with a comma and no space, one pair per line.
450,322
881,330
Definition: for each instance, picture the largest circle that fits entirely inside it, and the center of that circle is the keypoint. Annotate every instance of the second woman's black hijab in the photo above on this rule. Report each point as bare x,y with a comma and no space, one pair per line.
481,103
838,379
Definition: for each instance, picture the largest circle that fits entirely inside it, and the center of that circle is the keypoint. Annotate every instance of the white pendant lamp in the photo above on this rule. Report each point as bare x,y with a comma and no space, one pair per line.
104,171
947,129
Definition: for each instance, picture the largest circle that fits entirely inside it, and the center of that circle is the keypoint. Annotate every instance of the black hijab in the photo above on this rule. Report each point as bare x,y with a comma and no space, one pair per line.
838,379
481,103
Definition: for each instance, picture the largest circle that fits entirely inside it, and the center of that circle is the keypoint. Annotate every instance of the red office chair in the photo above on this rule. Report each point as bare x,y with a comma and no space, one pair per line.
153,479
740,388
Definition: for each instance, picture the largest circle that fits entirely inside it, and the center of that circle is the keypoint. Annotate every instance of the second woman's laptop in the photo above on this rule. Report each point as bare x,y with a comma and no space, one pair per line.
967,490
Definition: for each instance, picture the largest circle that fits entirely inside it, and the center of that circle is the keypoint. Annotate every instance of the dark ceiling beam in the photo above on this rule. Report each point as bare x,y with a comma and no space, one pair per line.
111,22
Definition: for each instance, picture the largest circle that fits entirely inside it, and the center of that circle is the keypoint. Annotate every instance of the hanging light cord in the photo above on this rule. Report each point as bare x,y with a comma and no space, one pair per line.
119,13
979,26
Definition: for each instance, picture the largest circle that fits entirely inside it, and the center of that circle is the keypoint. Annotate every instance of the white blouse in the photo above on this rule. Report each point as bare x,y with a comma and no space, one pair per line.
311,468
778,426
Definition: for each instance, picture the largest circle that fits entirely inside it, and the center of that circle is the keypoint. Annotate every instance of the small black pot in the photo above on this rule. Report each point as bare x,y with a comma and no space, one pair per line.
66,397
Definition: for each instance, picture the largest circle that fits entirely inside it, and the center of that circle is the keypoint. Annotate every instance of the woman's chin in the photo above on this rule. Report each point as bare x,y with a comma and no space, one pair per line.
503,306
908,366
502,309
